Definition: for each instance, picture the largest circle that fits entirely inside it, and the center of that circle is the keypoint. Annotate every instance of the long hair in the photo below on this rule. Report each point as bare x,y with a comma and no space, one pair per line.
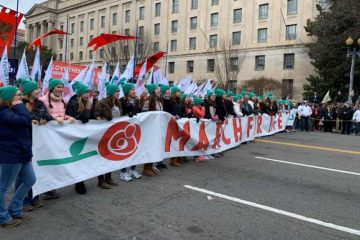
175,99
5,103
152,101
82,105
49,99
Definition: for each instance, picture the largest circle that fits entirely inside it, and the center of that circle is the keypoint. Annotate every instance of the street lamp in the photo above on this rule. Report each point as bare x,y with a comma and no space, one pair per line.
353,51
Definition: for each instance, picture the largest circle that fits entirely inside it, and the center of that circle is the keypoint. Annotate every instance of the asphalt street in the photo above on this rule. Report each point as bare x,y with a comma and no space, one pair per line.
254,192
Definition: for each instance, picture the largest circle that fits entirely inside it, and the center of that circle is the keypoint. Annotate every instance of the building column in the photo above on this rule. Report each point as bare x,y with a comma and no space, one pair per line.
51,38
28,32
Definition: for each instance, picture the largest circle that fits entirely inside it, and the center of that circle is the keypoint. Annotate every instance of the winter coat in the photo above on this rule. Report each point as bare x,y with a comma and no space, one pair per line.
72,109
39,111
230,108
167,104
210,110
129,108
346,113
356,116
220,108
57,109
15,137
103,108
246,109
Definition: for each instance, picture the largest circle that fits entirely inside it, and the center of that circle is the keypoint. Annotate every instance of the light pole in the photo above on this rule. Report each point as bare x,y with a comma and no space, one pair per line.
353,51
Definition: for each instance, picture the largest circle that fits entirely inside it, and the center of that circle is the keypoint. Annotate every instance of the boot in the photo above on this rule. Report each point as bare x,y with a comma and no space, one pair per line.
147,171
174,162
102,184
80,188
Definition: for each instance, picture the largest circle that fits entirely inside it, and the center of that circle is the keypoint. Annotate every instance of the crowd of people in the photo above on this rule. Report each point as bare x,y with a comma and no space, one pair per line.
22,107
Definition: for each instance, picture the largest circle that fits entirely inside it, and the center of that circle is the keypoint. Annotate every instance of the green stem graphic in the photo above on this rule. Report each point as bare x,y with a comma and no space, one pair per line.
68,160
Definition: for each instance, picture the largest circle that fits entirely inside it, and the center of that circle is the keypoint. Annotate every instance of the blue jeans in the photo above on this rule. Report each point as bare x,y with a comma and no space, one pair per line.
24,174
305,124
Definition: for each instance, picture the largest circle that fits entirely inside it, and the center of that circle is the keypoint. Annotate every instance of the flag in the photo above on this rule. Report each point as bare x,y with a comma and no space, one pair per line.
8,24
36,69
327,98
185,83
157,76
151,77
204,88
48,76
151,61
191,89
68,91
23,71
37,41
102,81
140,84
165,81
4,68
128,73
89,77
106,38
115,79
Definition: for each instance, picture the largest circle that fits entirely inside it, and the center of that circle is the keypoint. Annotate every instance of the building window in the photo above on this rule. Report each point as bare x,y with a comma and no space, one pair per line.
288,87
213,41
214,2
194,4
289,61
214,20
237,15
157,29
190,67
91,37
171,67
142,13
71,56
174,26
173,45
60,57
113,50
62,27
232,85
193,23
263,11
72,42
92,24
101,53
102,21
260,63
175,6
80,55
90,54
292,6
236,38
291,32
81,41
72,28
127,31
157,9
211,65
141,31
192,43
82,26
262,35
61,43
114,19
234,64
126,51
127,16
113,32
156,47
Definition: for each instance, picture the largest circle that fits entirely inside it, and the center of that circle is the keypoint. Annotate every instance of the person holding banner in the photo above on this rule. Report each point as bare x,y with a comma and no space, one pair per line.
107,109
210,107
15,155
80,108
220,104
56,106
39,116
186,106
131,107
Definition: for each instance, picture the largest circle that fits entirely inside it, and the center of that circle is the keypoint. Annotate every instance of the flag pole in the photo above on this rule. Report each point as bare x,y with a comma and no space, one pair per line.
135,49
16,27
166,58
66,36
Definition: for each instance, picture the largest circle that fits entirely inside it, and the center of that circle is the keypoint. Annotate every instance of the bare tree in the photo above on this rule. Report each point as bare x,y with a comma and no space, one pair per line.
262,85
121,51
228,62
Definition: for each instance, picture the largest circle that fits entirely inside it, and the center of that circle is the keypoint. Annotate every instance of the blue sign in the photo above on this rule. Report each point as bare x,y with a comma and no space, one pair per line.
13,67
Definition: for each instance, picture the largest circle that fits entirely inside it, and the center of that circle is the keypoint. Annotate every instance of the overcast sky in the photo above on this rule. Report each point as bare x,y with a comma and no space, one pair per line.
24,6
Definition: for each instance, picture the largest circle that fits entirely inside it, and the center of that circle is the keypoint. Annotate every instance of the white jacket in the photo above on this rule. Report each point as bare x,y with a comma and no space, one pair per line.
237,109
356,116
304,111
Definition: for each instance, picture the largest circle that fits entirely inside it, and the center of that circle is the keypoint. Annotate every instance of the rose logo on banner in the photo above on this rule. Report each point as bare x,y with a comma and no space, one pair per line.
119,142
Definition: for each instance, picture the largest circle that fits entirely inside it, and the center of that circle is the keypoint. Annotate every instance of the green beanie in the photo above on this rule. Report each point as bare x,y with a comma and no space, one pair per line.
80,88
127,87
230,94
54,82
243,92
251,95
7,92
219,92
151,88
259,98
183,96
174,90
28,86
210,93
111,89
197,101
236,98
164,88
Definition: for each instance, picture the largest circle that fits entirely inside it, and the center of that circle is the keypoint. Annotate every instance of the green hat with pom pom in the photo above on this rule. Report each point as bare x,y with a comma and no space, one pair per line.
219,92
197,101
80,88
151,88
111,89
28,86
127,87
7,92
54,82
164,88
230,94
174,90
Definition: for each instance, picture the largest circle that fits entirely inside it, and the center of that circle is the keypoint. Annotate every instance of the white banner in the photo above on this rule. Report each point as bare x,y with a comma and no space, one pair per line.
64,155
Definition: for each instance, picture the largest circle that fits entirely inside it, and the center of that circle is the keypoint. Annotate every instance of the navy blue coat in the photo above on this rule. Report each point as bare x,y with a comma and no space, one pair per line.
15,135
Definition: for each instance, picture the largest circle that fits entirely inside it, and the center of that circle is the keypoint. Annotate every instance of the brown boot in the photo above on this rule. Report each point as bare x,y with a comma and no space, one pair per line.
102,183
174,162
11,223
147,171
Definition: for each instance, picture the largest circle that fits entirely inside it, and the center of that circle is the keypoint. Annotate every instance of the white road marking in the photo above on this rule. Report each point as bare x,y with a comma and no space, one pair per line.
278,211
310,166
